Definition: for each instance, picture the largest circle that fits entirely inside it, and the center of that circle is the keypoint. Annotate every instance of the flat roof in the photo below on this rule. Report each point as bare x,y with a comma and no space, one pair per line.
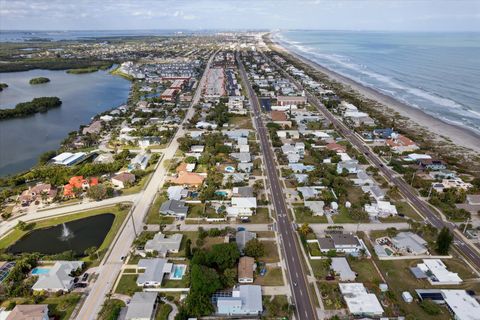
464,306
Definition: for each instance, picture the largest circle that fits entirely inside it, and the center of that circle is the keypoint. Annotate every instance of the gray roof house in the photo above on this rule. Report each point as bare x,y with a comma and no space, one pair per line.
58,278
375,191
243,157
242,237
163,245
245,300
347,243
174,208
316,207
245,167
142,306
350,165
409,242
155,270
243,192
341,267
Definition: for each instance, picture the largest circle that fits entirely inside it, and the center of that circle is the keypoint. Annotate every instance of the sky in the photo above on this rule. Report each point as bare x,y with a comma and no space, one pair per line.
379,15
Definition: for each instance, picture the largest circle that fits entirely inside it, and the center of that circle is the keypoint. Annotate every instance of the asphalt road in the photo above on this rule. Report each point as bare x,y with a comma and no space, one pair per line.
304,309
110,267
430,215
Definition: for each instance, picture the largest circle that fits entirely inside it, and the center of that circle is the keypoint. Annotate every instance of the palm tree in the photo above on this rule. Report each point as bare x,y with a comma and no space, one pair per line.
304,229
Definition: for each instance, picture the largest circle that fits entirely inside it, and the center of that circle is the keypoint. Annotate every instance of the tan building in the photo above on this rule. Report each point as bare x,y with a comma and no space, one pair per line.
246,266
29,312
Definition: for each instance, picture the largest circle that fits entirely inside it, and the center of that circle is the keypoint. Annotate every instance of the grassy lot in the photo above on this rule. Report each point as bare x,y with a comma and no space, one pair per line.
210,241
276,307
305,216
137,187
320,268
119,212
271,252
265,234
273,277
407,210
261,216
343,216
153,215
241,122
366,272
111,309
163,311
314,249
331,296
128,285
196,210
184,283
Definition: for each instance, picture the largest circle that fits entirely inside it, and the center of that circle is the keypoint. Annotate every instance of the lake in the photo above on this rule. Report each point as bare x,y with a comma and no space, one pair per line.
82,234
22,140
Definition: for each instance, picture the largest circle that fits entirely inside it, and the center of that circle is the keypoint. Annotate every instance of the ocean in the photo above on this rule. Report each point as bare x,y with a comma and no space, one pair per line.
438,73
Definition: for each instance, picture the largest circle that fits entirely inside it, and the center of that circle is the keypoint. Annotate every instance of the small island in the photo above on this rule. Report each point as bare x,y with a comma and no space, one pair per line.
39,80
25,109
3,86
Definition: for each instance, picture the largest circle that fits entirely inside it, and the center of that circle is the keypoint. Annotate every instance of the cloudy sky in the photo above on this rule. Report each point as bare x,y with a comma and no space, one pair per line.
406,15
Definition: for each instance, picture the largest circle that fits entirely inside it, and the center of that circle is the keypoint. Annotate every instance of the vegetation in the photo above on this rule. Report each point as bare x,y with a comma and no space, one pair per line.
3,86
254,248
39,80
24,109
111,309
88,69
444,240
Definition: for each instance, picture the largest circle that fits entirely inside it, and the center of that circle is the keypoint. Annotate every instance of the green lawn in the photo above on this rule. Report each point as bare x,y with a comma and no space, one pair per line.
407,210
273,277
304,215
196,210
314,249
271,252
128,285
261,216
120,214
154,216
366,272
62,306
163,311
137,187
320,268
184,283
111,309
343,216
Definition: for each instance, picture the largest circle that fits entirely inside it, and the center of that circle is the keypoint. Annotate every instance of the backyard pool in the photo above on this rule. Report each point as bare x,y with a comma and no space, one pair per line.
229,169
39,271
178,271
221,193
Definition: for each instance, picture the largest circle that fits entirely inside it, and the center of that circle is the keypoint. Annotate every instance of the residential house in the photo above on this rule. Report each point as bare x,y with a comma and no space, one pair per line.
187,178
399,143
316,207
375,192
94,128
140,161
341,268
300,167
177,192
176,208
142,306
347,243
153,272
242,206
359,301
437,273
242,157
409,243
78,183
246,266
309,192
58,278
381,209
29,312
68,158
123,179
42,192
242,237
163,244
245,300
431,164
243,192
351,166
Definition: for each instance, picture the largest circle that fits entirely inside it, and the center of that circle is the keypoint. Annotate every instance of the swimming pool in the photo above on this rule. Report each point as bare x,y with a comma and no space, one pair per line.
178,270
221,193
39,271
229,169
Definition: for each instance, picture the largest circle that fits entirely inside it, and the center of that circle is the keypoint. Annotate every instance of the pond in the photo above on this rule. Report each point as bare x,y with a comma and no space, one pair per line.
22,140
77,235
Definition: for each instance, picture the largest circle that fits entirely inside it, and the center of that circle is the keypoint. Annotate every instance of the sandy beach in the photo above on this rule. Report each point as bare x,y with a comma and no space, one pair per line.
459,136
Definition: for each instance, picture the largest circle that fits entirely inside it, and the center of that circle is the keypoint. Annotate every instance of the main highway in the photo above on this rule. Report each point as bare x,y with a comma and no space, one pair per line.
432,217
304,307
110,267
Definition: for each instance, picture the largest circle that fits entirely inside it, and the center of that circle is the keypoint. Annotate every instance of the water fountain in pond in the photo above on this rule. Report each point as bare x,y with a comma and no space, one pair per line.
66,233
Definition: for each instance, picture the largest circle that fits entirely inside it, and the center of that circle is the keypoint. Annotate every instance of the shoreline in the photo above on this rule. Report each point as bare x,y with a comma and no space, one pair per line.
457,135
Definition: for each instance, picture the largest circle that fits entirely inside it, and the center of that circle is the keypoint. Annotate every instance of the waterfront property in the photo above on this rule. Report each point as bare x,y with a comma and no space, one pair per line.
58,278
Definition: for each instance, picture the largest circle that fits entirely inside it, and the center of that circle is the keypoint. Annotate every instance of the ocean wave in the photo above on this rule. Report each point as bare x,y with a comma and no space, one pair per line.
415,97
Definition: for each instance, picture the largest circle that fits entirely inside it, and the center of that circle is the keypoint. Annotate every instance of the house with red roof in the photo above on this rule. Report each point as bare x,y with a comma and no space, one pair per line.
78,183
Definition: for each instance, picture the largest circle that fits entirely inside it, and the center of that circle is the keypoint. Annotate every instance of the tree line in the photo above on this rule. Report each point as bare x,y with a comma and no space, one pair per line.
24,109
